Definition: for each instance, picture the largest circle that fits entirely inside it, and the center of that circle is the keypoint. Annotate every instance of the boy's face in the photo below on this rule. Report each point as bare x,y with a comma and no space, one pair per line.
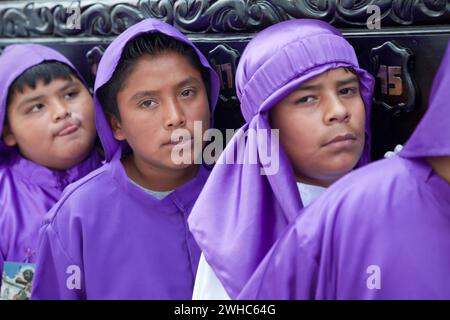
162,93
53,124
322,126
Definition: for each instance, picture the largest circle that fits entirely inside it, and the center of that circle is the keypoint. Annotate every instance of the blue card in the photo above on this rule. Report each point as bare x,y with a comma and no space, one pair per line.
17,279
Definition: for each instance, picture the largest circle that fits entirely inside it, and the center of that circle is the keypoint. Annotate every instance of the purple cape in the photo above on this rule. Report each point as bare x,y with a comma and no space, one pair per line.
27,189
256,208
373,236
120,241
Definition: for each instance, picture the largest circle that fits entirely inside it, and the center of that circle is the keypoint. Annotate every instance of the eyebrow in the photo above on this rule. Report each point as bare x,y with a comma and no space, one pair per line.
312,87
189,80
31,99
347,81
144,93
316,87
69,85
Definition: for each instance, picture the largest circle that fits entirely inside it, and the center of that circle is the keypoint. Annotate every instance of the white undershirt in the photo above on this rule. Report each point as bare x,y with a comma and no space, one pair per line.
208,287
156,194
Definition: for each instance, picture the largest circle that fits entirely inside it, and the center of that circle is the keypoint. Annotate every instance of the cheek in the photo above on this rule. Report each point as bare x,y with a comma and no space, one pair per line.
33,131
299,130
198,111
298,136
141,127
359,115
205,117
86,107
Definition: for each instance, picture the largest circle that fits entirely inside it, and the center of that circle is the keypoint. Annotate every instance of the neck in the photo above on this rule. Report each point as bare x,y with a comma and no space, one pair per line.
157,178
325,183
440,165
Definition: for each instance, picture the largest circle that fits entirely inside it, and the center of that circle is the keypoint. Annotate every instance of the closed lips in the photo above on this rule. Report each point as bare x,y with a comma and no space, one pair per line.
68,128
180,141
342,137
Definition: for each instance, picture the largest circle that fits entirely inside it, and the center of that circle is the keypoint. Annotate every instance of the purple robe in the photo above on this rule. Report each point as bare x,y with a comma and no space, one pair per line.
256,208
123,242
372,235
27,189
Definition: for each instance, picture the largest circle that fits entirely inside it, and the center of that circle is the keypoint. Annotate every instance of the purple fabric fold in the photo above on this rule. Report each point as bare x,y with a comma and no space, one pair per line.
381,232
120,240
27,189
255,208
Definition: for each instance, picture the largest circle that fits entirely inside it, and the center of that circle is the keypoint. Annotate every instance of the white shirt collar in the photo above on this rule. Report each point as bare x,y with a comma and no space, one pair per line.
309,192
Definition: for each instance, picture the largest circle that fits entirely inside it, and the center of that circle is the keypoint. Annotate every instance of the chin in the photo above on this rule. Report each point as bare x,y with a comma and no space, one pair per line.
343,164
61,165
78,149
344,168
69,159
181,166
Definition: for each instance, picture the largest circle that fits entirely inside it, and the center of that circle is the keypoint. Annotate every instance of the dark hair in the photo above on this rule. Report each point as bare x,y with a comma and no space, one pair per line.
46,71
146,44
351,70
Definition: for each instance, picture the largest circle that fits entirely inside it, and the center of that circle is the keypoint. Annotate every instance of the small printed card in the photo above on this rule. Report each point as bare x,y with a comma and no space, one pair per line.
16,281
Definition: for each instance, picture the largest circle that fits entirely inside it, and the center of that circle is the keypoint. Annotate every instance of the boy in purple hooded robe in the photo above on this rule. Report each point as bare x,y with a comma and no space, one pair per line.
113,235
285,73
45,143
372,235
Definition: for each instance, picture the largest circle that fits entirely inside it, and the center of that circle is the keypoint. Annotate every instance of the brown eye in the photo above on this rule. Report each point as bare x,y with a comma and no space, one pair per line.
305,100
187,93
348,91
71,95
147,104
36,108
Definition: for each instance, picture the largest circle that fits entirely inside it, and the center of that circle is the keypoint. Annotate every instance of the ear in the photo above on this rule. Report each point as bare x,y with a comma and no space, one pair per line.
8,136
116,127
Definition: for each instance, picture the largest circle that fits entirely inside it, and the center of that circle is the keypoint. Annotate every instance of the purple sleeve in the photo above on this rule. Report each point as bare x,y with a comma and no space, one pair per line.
58,275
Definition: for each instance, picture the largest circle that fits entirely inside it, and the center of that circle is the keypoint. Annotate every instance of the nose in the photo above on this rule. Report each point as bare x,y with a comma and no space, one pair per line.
336,111
60,111
173,115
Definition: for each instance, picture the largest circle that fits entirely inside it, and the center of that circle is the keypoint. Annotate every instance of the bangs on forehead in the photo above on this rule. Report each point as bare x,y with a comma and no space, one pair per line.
46,72
351,70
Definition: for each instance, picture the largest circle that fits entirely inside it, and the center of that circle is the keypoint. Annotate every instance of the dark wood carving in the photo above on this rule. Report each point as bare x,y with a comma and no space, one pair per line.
108,18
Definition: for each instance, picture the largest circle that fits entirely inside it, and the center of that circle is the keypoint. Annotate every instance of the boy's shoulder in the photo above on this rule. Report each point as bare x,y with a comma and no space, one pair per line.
88,192
360,201
367,189
372,177
89,181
